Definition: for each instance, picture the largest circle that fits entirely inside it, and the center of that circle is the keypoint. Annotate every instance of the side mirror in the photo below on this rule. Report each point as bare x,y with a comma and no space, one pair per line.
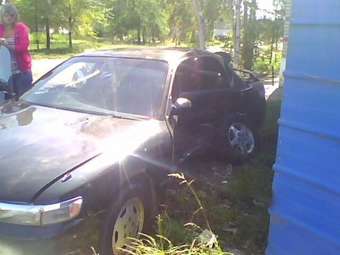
181,105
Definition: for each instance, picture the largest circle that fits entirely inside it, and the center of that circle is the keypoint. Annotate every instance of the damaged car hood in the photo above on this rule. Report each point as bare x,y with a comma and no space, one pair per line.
39,144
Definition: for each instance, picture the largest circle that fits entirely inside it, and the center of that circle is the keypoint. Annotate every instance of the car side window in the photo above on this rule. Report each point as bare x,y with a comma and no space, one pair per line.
199,74
213,74
187,78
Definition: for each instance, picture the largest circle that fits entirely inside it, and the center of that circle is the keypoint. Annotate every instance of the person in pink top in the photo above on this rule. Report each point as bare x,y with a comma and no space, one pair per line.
15,36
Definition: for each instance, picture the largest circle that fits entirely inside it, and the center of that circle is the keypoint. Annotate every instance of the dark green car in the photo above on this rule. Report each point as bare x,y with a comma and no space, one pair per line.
85,152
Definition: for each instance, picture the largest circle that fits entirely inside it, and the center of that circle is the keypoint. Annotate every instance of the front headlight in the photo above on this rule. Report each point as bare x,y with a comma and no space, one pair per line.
37,215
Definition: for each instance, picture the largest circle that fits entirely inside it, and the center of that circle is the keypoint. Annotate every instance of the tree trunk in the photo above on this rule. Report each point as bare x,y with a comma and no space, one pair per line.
201,21
249,35
70,45
48,35
246,38
139,39
252,34
70,26
144,35
237,46
153,34
36,24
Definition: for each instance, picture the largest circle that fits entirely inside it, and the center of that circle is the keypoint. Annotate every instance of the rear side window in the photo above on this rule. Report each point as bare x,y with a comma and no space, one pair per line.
199,74
187,78
213,74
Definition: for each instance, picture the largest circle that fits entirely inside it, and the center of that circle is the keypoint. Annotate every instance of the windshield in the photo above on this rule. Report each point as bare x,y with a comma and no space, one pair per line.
103,85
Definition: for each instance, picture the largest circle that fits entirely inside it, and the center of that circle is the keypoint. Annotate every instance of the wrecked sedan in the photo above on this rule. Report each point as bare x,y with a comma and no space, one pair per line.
85,151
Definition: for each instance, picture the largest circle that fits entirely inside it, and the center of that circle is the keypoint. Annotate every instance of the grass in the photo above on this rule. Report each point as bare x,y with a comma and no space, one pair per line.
162,246
60,47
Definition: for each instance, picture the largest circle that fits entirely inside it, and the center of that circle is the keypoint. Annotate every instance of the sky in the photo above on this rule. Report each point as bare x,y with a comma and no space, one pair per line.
265,4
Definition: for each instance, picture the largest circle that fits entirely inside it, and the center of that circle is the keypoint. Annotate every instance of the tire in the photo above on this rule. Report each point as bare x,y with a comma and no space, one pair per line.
130,214
237,140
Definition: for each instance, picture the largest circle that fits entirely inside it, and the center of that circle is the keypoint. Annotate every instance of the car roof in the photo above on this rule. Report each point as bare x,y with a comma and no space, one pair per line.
170,55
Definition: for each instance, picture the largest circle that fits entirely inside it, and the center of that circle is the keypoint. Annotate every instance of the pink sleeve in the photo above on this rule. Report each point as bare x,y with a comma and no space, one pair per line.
2,30
22,38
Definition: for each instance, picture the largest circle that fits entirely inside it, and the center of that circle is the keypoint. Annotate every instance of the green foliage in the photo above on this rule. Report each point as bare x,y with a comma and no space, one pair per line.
152,21
138,17
139,21
217,10
267,61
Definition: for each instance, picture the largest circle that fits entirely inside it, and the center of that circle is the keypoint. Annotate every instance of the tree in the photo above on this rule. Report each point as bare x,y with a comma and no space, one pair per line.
72,16
215,10
249,33
138,20
145,18
181,20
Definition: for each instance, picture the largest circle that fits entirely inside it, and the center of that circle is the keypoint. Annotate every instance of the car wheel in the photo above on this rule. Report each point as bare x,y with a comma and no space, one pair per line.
129,216
240,140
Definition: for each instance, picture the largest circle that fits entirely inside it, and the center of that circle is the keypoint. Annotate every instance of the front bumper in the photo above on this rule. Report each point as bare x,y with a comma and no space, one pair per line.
75,237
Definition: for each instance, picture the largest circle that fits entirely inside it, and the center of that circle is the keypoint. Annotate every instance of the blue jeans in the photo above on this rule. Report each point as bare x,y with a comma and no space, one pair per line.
20,82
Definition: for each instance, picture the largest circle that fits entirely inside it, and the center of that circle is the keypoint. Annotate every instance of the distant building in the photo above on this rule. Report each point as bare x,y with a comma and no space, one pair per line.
222,30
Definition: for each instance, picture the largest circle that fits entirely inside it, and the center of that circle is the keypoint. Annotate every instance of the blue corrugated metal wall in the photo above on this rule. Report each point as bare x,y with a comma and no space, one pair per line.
305,214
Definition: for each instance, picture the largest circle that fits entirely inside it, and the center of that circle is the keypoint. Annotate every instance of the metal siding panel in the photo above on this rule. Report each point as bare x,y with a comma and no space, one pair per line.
289,238
307,204
306,42
316,11
317,169
312,105
305,214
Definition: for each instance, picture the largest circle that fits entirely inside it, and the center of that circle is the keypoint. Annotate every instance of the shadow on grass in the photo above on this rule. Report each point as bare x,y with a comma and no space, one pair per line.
62,50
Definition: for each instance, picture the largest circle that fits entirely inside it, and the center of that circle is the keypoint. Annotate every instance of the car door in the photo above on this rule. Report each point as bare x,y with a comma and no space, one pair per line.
203,81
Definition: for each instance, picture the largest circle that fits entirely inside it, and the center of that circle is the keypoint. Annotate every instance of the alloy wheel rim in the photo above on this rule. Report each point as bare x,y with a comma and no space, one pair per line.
241,138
